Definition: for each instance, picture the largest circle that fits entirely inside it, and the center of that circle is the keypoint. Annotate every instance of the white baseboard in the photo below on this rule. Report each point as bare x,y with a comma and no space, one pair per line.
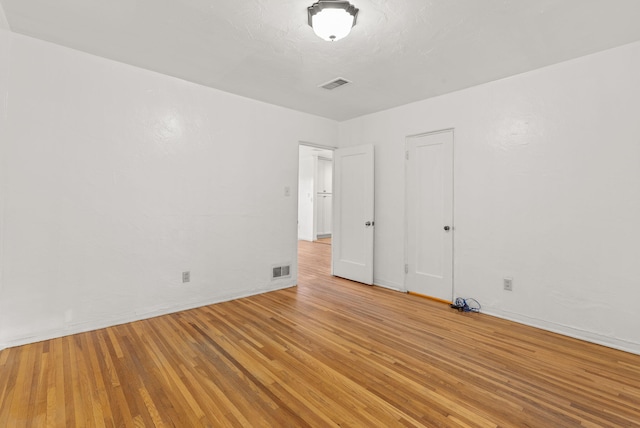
587,336
83,327
564,330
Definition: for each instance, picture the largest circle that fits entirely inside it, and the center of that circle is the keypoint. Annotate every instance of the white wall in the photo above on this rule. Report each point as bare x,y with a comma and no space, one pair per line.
4,24
547,190
4,75
116,179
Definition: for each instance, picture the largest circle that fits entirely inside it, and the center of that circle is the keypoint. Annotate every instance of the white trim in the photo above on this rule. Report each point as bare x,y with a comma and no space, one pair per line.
316,145
314,222
389,284
83,327
565,330
424,134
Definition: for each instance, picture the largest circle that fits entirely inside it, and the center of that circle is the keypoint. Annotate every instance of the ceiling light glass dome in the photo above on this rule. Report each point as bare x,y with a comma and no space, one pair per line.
332,20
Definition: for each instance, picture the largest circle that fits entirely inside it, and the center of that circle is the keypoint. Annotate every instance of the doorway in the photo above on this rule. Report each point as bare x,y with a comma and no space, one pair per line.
335,206
429,215
315,206
315,194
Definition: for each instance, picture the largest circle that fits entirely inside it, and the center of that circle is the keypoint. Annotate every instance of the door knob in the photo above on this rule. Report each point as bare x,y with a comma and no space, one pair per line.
369,223
447,228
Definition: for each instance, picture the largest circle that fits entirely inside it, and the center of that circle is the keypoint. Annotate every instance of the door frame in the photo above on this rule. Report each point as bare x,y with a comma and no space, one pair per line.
315,146
406,208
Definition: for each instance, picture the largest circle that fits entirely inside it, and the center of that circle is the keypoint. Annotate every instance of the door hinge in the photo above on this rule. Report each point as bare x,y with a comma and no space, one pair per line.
406,154
406,268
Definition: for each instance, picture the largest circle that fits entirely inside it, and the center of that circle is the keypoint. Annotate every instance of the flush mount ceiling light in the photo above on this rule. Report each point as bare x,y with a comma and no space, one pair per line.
332,20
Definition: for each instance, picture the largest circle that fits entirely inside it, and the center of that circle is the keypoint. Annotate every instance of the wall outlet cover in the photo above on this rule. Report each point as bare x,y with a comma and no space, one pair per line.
508,284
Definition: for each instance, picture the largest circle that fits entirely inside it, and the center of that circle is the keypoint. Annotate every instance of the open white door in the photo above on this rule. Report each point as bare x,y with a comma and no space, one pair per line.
429,196
353,221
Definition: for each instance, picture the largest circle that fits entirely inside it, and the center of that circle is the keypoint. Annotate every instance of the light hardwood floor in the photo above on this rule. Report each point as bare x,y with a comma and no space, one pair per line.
326,353
324,241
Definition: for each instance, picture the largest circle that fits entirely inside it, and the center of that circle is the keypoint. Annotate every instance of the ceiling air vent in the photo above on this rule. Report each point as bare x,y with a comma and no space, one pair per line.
335,83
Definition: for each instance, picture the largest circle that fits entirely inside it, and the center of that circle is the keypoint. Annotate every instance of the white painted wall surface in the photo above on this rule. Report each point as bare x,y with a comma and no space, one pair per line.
116,179
547,191
4,24
4,74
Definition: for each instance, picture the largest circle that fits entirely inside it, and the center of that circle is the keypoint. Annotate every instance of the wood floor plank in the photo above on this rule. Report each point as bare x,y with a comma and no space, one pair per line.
328,352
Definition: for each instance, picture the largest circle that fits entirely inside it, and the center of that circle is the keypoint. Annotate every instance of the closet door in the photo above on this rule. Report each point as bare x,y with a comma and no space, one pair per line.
325,206
324,203
327,213
320,213
324,176
429,211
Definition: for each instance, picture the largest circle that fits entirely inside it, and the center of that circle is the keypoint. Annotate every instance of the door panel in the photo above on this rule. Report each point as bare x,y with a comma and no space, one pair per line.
324,175
327,208
324,197
429,211
324,214
352,255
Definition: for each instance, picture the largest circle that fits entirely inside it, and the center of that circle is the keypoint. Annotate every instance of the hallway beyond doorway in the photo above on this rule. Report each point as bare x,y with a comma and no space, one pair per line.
326,241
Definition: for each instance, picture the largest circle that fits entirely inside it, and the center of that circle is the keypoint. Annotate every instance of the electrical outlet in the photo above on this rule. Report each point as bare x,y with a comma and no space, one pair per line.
508,284
186,276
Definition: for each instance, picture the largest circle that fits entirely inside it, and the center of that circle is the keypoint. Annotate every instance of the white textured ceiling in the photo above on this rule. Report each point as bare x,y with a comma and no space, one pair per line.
400,51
